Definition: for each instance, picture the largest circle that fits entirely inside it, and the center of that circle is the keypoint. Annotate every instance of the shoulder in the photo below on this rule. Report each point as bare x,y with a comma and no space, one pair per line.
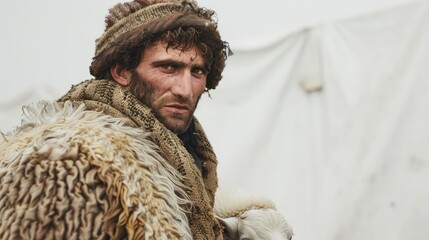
90,168
54,125
57,132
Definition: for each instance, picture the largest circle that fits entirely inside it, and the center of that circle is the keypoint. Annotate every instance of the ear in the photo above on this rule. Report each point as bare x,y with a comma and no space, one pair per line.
231,227
121,75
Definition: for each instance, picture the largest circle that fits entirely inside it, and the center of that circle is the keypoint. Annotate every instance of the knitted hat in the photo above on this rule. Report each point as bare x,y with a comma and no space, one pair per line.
129,24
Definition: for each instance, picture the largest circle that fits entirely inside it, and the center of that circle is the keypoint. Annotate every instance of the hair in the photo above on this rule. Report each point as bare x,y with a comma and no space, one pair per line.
179,38
185,26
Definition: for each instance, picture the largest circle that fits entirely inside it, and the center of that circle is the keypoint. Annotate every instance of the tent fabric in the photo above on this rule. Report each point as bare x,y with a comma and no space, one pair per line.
331,124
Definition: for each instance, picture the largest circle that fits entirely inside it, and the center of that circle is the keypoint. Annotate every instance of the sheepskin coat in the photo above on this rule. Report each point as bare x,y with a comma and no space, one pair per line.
98,165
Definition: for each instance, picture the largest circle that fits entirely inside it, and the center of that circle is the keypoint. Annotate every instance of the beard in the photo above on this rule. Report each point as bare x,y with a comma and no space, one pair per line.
146,94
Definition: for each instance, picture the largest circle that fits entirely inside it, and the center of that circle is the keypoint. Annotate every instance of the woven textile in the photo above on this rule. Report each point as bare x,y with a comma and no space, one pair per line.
111,98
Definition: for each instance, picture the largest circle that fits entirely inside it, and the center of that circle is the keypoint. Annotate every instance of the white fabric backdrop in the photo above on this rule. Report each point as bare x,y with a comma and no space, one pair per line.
332,123
329,122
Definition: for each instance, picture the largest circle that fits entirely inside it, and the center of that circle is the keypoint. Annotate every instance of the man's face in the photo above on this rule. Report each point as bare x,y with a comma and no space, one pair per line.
170,82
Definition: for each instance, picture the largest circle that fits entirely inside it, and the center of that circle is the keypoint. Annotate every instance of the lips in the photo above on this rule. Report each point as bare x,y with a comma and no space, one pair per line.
178,108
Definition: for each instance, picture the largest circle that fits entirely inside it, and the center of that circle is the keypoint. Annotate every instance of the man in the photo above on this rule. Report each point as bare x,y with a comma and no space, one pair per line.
84,168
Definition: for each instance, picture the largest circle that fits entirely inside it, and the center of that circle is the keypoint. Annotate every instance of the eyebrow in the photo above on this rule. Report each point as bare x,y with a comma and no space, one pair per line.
178,63
168,61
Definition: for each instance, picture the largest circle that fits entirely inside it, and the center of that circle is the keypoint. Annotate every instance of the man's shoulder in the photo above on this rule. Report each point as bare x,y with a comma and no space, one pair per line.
73,158
59,127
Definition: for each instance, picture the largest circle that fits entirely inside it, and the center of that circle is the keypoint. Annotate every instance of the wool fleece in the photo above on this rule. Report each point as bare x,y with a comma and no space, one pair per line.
73,173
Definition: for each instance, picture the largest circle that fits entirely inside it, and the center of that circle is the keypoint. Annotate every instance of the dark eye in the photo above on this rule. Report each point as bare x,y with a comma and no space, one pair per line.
169,67
199,72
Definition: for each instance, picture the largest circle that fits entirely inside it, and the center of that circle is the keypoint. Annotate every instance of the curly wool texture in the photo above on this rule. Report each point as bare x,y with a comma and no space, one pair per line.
74,174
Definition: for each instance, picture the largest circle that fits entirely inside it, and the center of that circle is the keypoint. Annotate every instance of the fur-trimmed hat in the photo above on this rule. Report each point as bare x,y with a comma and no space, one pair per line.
128,24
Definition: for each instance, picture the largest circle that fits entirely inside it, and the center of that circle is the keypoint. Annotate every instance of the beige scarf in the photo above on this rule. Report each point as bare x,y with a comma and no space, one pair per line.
111,98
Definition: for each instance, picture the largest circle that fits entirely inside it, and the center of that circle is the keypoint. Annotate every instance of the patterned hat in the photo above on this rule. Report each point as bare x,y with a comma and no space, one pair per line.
128,24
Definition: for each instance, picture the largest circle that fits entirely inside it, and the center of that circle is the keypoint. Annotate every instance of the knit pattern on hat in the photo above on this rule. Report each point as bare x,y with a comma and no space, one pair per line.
75,174
136,19
111,98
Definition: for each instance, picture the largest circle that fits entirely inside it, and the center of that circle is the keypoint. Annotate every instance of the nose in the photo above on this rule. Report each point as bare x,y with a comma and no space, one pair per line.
182,86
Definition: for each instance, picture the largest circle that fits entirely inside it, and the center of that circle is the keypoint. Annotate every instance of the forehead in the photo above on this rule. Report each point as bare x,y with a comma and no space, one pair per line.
159,51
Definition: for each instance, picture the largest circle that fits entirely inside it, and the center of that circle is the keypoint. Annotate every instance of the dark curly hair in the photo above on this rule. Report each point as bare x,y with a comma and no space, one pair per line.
182,30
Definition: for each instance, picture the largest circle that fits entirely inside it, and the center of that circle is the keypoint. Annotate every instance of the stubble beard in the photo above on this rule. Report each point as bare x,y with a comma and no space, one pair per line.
145,93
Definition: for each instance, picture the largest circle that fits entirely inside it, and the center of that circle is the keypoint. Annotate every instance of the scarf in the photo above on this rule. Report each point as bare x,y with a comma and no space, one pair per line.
111,98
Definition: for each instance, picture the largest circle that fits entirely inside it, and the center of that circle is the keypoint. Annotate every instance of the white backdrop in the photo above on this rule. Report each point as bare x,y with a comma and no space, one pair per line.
323,108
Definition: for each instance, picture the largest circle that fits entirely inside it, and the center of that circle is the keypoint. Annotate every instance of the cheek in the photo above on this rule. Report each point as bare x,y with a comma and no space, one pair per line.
160,84
199,86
